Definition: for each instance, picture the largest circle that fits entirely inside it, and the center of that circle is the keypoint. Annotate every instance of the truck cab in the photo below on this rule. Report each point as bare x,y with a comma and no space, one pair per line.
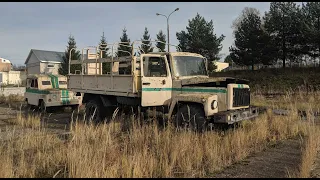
47,90
180,80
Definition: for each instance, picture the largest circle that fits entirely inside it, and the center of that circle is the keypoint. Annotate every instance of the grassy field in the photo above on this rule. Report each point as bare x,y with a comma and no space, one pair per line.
278,80
127,148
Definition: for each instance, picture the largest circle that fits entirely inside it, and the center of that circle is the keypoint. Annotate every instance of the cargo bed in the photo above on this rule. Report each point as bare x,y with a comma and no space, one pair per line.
103,84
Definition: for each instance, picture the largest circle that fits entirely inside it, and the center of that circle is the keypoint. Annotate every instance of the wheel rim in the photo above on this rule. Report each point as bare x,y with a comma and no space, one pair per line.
184,121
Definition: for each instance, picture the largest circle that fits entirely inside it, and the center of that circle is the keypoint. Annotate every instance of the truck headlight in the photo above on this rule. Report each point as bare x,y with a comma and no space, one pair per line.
214,104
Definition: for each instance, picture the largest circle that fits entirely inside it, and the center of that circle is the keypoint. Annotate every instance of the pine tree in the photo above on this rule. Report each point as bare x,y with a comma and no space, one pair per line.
228,59
124,39
161,37
282,23
311,30
200,38
104,50
251,41
125,50
75,55
146,46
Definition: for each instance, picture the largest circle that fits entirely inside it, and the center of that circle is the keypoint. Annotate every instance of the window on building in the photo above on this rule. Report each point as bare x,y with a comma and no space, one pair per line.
50,66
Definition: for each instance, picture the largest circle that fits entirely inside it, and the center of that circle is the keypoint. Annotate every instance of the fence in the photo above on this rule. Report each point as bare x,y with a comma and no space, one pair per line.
16,78
6,91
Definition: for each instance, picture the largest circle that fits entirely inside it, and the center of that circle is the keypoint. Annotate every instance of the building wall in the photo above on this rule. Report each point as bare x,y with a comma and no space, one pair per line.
13,77
33,66
45,69
221,66
6,91
5,65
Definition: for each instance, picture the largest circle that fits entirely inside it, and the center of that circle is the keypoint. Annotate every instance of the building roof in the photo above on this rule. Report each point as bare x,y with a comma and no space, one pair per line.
3,60
46,56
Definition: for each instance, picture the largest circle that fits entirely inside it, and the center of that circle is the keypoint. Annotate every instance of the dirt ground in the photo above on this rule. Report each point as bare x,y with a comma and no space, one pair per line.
280,161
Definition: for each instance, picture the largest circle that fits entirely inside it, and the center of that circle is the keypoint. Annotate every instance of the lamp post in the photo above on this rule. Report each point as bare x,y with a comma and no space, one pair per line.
168,24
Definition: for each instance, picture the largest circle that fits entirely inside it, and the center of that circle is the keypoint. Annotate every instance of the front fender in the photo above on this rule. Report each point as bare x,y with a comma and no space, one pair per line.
204,99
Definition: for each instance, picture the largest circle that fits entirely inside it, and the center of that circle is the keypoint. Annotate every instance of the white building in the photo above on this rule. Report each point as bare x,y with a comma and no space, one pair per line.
43,62
5,65
221,66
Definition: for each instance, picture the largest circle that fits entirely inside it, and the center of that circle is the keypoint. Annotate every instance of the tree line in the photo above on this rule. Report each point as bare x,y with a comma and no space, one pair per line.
287,32
123,50
199,37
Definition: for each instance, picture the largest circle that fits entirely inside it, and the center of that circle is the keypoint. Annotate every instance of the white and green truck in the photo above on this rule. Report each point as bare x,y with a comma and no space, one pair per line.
174,84
47,90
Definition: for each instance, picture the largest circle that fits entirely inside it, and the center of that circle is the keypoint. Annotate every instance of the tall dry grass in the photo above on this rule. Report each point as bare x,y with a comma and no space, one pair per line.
310,149
301,100
12,98
133,149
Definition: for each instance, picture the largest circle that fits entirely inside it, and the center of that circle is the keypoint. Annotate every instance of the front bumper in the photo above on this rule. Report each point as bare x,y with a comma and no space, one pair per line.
68,103
230,117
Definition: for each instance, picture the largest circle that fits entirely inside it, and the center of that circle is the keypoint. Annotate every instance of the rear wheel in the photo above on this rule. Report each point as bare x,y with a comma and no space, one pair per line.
74,107
191,116
94,111
44,108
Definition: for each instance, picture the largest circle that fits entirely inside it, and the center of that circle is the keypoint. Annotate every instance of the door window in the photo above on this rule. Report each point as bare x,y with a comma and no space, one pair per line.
34,83
154,67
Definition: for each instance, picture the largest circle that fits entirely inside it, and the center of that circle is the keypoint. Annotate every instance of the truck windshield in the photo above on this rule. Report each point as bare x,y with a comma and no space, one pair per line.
189,66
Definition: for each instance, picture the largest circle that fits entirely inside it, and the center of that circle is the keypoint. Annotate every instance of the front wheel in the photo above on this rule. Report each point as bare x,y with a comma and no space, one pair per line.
191,116
43,107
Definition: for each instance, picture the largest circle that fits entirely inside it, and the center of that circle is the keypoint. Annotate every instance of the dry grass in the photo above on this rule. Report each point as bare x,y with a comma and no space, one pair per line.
309,151
134,150
11,99
300,100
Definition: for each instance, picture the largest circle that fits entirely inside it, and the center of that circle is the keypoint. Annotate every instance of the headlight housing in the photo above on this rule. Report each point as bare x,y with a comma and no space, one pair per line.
214,104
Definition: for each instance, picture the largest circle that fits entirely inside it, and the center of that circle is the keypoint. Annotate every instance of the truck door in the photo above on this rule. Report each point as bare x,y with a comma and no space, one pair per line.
156,80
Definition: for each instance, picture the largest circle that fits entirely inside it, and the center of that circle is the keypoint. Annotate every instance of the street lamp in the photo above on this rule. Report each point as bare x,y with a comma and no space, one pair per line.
168,24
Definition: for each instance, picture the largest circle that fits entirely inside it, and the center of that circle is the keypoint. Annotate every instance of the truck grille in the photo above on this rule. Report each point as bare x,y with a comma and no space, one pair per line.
241,97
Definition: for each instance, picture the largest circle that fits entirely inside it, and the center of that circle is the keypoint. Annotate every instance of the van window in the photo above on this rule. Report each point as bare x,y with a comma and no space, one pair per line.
34,83
62,82
45,83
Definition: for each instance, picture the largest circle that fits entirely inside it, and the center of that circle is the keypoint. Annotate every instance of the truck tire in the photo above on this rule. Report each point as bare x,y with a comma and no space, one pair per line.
94,107
75,107
42,107
192,117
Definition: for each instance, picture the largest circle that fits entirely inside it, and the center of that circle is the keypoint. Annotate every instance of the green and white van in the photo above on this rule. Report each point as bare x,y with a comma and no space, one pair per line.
47,90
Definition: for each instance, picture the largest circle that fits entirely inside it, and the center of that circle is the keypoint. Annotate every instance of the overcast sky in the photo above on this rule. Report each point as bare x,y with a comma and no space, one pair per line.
47,25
